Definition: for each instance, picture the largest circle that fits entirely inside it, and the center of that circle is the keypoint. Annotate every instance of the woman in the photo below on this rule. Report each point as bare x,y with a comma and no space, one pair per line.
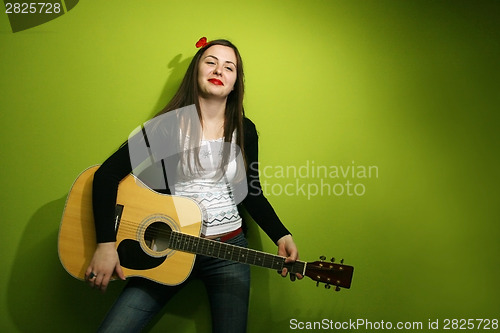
214,85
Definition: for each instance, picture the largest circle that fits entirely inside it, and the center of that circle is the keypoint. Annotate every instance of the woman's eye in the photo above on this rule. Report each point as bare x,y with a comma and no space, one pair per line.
229,69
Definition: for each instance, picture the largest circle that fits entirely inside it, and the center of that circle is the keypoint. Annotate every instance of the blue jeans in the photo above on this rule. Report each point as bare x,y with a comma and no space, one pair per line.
227,284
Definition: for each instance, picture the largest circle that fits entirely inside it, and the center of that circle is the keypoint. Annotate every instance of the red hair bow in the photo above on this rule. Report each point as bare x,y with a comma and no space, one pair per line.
202,42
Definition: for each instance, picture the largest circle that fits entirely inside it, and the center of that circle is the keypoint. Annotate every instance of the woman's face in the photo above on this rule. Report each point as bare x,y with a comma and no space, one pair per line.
217,72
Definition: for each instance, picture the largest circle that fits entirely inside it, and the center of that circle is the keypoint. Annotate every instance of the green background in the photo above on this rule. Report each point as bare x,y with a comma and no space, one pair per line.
410,87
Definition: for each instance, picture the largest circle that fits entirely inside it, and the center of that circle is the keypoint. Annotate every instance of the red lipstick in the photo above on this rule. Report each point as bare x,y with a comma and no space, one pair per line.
216,82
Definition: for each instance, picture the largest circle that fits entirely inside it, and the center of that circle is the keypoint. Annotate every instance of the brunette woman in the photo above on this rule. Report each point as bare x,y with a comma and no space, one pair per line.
206,166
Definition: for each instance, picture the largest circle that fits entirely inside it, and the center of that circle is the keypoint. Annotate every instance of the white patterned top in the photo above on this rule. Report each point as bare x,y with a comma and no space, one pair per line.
212,192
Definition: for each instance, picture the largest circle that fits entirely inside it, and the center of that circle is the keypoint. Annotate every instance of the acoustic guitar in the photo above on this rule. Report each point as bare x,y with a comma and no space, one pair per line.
157,237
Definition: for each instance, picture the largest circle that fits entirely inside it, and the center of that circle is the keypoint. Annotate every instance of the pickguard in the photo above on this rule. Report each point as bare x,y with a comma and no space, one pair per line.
133,257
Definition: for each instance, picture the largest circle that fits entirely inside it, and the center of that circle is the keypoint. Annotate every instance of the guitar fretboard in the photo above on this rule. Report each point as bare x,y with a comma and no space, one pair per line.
211,248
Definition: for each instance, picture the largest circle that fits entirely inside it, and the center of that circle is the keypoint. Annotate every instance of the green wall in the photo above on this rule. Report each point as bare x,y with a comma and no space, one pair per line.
408,88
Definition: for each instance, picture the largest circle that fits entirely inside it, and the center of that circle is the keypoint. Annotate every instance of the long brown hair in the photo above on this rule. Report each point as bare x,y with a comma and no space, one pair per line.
188,92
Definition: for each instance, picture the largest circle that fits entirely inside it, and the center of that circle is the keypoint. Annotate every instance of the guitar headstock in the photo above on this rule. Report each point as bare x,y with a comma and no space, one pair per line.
338,275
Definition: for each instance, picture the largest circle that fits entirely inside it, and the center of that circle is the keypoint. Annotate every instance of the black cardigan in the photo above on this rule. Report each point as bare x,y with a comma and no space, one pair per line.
118,166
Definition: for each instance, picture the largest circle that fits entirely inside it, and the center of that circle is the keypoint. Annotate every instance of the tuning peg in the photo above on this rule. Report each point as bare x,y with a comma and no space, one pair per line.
327,286
333,259
342,261
317,284
337,288
322,258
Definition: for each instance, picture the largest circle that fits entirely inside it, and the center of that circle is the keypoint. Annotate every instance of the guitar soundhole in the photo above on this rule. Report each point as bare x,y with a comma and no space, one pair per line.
157,236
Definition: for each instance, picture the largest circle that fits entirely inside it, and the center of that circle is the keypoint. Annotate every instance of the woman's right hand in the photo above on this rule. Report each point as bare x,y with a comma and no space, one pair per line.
103,265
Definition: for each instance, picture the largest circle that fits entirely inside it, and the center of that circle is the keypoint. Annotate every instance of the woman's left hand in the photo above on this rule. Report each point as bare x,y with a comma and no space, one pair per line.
288,249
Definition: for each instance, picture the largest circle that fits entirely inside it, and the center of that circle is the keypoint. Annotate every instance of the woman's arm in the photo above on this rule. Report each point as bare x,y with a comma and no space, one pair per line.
259,207
104,192
255,202
105,261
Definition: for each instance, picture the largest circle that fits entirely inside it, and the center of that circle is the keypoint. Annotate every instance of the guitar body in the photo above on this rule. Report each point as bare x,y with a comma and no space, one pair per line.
144,222
157,237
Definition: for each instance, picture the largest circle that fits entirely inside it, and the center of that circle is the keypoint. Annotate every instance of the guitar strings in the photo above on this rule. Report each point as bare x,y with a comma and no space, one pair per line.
130,230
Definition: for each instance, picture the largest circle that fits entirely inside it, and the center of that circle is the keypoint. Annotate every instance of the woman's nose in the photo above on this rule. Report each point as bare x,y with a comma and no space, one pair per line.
217,70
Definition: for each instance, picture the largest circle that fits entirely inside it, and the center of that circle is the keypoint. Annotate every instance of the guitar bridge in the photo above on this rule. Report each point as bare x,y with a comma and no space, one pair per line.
118,216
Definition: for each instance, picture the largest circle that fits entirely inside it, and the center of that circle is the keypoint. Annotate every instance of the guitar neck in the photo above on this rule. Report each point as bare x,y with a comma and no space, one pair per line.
211,248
